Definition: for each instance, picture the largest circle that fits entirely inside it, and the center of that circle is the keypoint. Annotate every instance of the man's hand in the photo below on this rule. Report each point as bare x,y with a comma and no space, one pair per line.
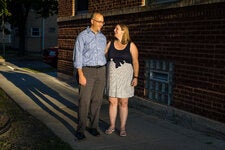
82,80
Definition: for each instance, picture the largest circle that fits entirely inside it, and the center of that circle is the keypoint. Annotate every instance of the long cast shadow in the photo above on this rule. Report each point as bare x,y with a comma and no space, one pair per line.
32,87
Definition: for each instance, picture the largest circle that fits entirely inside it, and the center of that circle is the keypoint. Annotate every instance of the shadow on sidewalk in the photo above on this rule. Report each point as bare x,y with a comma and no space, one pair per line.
48,99
44,96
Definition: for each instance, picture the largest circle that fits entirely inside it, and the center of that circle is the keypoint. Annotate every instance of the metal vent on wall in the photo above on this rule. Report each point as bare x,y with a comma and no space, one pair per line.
159,81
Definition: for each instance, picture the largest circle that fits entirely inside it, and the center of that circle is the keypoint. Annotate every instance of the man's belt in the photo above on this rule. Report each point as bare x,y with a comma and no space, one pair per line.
94,66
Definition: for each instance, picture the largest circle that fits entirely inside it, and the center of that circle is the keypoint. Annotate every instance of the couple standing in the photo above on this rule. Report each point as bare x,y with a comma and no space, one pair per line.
90,54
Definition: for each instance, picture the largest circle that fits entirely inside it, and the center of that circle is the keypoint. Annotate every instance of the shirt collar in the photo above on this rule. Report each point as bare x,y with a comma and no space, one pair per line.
89,30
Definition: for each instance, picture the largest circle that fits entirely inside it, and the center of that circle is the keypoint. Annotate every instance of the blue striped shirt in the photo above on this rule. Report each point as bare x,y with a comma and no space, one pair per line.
89,49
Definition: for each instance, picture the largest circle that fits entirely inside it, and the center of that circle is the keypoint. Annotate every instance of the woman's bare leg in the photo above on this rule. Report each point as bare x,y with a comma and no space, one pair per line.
113,104
123,109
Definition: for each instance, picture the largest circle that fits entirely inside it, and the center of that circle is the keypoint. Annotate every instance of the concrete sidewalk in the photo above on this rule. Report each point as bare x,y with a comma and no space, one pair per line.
56,103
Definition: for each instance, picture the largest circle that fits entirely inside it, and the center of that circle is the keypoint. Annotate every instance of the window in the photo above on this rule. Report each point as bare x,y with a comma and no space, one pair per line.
82,6
159,81
165,1
35,32
149,2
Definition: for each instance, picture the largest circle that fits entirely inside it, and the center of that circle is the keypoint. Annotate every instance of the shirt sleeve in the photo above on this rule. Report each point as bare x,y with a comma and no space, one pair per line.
78,52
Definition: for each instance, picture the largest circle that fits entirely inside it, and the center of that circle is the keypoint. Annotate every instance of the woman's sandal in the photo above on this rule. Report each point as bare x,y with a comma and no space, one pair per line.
109,131
123,133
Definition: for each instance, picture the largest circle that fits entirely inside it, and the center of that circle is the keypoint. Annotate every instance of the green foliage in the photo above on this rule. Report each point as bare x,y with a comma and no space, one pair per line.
3,8
46,8
21,8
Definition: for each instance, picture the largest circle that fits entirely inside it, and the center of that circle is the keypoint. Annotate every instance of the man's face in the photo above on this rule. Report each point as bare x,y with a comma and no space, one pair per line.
97,22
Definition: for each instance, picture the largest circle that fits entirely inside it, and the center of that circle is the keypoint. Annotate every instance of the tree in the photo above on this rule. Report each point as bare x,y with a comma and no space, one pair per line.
3,13
20,10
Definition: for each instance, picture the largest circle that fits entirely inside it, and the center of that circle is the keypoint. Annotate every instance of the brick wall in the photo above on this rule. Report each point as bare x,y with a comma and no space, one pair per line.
106,5
193,38
65,8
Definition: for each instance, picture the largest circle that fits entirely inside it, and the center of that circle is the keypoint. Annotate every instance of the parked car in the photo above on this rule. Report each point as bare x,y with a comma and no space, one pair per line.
50,56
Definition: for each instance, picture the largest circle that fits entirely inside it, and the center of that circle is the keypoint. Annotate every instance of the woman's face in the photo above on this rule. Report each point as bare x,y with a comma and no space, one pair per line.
118,32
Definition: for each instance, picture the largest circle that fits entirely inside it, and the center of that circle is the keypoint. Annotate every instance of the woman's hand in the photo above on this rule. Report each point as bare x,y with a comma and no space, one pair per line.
134,82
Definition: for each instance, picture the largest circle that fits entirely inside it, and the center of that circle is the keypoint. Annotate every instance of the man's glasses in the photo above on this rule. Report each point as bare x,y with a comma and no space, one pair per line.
102,22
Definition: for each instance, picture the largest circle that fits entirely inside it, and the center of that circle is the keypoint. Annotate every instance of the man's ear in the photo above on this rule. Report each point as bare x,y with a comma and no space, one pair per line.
92,21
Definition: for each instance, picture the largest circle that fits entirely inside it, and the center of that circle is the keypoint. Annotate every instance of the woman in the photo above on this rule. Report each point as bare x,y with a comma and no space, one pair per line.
123,69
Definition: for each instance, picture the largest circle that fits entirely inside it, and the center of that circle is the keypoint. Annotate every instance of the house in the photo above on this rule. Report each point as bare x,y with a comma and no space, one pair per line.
181,49
40,33
5,37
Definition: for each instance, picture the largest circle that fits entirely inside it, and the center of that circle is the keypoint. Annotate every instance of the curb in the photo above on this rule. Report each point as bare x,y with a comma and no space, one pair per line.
180,117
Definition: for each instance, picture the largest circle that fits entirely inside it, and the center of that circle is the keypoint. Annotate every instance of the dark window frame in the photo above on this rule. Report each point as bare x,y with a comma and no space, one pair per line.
81,6
35,32
149,2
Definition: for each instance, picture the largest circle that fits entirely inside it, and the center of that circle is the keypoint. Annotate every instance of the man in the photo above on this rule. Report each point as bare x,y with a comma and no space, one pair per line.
89,60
